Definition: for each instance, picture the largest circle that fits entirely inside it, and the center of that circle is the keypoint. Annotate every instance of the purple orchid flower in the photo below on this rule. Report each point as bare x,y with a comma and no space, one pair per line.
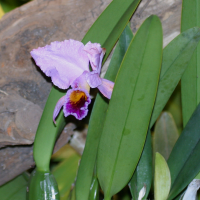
67,63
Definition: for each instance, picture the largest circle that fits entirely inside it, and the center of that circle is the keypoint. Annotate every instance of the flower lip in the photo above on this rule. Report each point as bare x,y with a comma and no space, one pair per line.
77,98
77,101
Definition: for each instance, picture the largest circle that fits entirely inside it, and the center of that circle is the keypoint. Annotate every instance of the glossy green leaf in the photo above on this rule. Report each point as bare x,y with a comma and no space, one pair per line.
183,161
143,173
14,189
86,168
109,26
94,189
42,185
162,179
190,82
165,135
176,56
65,174
124,132
106,30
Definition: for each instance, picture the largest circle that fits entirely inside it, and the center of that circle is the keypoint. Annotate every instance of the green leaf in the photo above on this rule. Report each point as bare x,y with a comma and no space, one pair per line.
143,173
94,189
65,174
86,168
176,56
124,132
165,135
109,26
14,189
162,179
190,82
183,161
106,30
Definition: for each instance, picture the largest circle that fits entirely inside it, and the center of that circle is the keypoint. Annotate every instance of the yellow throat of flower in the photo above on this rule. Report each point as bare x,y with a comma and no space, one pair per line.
78,98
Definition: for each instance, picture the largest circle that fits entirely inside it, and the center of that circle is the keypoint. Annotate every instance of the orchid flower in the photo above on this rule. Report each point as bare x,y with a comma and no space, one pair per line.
67,63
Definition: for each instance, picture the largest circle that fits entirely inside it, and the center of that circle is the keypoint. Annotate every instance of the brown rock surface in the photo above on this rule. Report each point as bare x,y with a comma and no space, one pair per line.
23,88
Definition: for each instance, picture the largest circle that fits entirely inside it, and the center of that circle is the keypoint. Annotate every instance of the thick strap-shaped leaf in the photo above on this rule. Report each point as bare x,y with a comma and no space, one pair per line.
176,57
130,108
16,188
190,82
183,161
94,190
142,176
86,168
109,26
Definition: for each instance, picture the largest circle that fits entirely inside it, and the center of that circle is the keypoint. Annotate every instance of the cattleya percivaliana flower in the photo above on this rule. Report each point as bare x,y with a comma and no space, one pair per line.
67,63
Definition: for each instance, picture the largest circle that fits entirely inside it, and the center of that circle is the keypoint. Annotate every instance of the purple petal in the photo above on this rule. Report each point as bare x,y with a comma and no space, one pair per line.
81,82
93,79
62,61
95,55
77,101
57,108
106,88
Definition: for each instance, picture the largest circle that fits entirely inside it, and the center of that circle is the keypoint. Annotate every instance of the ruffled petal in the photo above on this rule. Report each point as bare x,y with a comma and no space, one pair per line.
93,79
57,108
77,101
95,55
81,82
106,88
62,61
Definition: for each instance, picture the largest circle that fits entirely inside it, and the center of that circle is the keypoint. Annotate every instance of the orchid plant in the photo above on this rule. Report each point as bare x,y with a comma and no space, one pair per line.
130,141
